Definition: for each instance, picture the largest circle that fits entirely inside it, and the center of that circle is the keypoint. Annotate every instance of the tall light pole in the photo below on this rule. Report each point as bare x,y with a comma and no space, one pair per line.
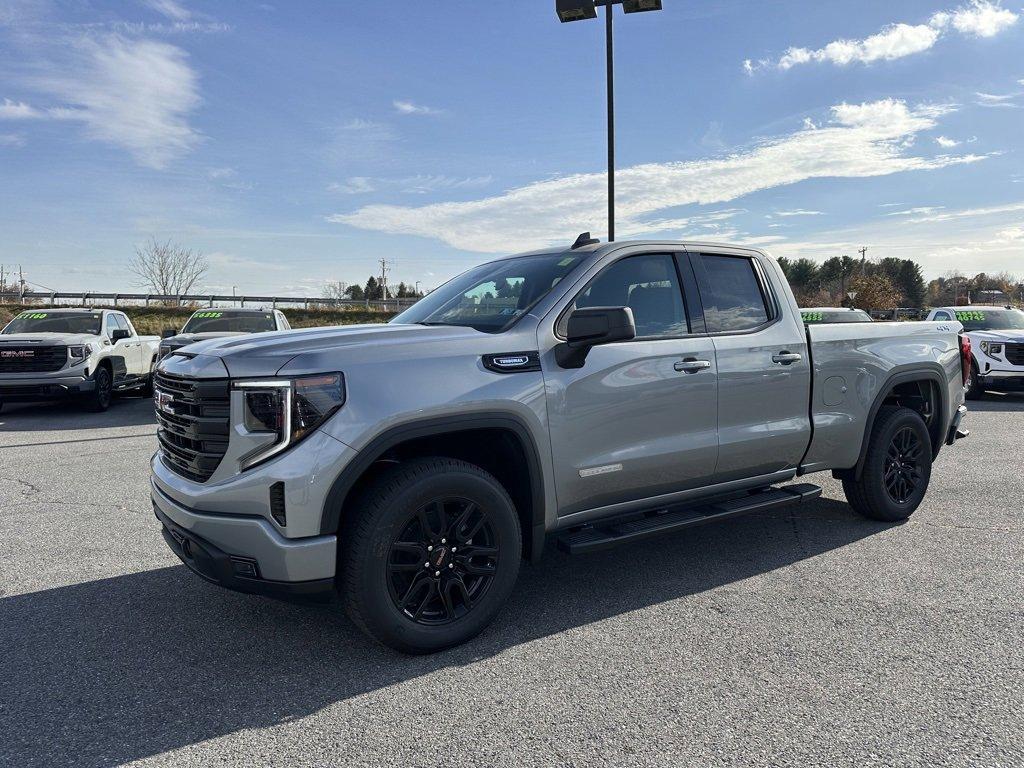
581,10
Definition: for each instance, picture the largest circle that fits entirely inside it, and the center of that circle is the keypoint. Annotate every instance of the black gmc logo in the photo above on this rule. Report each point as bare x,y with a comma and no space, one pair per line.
17,353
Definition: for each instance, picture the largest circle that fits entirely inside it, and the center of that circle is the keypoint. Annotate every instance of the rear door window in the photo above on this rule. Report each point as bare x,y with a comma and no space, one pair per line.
732,294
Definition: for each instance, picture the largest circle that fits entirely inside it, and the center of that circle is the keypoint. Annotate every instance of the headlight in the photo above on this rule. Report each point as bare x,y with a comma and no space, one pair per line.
288,408
80,353
990,348
163,351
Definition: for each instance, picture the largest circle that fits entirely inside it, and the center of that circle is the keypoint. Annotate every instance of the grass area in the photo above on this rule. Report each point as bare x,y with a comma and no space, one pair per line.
152,320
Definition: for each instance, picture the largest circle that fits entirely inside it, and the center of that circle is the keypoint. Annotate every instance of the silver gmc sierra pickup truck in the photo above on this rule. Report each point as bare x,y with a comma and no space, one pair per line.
594,395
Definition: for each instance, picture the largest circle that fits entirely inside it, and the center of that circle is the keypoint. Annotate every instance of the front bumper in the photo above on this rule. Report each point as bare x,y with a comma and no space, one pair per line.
244,553
28,389
1004,381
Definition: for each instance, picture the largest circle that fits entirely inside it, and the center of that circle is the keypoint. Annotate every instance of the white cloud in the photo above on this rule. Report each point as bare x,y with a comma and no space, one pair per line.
893,42
916,211
979,18
170,8
12,140
135,94
967,213
356,185
11,110
996,98
409,108
417,185
862,140
799,212
946,143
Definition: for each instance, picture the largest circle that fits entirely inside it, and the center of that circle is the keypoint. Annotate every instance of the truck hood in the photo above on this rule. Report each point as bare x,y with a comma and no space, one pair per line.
49,339
183,339
1012,336
266,354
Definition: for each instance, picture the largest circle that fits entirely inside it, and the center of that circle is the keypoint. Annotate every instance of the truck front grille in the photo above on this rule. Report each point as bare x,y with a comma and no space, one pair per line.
30,358
192,416
1015,354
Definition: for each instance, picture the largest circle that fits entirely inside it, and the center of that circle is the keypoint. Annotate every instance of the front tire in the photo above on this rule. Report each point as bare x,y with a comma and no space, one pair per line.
100,398
431,554
974,391
897,468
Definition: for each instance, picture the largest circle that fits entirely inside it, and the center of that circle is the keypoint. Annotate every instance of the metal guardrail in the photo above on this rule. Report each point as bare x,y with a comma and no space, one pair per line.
88,298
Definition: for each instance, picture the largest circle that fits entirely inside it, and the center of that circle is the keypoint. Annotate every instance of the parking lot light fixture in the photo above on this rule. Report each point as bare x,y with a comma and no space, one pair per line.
639,6
581,10
575,10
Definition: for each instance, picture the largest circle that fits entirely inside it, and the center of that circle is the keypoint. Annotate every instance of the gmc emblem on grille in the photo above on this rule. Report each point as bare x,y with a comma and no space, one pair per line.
164,401
17,354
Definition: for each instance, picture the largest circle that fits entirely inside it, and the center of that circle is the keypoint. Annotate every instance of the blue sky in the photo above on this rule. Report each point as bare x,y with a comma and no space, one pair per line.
299,142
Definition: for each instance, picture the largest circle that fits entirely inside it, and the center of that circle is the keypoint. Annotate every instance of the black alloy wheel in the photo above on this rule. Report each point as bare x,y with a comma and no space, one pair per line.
104,392
894,477
903,465
428,553
443,562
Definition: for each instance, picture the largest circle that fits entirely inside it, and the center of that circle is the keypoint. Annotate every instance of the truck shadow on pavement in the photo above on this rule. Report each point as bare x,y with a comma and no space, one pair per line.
125,411
998,401
106,672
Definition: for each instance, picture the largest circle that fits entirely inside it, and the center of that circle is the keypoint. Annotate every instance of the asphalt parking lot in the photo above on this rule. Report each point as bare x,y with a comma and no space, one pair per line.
811,637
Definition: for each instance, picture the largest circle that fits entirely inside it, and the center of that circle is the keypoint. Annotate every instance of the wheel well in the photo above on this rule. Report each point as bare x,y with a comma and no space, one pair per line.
497,450
920,394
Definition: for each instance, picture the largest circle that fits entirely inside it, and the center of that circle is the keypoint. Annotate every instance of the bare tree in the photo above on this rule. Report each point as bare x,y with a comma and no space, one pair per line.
335,290
168,268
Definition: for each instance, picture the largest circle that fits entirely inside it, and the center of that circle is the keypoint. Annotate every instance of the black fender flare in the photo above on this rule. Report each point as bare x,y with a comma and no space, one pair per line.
330,518
932,372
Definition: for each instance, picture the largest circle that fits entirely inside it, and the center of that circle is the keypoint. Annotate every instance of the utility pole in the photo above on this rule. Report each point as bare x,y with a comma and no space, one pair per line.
21,285
384,269
863,259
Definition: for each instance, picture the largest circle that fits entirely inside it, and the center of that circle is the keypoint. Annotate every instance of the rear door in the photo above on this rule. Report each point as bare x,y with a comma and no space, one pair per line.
639,418
763,367
139,359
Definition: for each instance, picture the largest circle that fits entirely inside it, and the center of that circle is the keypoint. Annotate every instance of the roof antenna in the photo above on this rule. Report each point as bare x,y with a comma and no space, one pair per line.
584,239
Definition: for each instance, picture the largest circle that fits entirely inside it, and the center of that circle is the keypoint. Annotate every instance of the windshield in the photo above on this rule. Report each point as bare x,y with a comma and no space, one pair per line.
816,317
226,321
56,322
493,296
991,320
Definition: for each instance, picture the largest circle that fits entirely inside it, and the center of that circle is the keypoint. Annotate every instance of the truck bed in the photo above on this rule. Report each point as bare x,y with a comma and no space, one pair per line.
854,363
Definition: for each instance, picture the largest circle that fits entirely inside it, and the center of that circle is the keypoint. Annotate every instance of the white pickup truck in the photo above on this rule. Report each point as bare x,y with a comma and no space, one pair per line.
997,346
52,354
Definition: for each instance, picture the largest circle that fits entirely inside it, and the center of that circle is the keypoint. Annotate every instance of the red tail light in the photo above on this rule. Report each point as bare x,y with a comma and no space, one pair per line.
965,358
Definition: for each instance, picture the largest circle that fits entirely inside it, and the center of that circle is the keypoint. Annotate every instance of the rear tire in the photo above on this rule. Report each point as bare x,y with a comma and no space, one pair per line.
973,391
897,468
100,398
430,555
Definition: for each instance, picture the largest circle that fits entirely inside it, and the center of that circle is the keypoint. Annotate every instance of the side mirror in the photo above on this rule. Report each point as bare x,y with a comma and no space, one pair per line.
591,327
118,334
168,333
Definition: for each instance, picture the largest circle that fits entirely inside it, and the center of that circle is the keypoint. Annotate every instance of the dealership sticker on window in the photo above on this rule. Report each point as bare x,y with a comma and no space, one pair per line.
969,316
812,317
209,314
32,316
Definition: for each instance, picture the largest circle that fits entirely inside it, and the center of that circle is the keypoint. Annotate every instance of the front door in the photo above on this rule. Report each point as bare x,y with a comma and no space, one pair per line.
639,418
